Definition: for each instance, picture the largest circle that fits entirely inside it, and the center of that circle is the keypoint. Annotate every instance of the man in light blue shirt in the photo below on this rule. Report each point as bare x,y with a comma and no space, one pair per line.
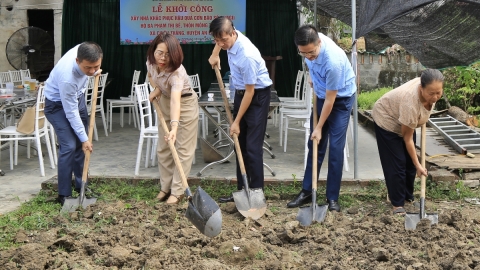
251,81
66,110
334,85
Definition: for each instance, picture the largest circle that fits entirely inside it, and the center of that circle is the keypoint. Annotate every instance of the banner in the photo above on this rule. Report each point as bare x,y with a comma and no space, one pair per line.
188,21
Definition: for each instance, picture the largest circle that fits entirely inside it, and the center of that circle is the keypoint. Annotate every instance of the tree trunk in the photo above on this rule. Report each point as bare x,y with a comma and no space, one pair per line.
462,116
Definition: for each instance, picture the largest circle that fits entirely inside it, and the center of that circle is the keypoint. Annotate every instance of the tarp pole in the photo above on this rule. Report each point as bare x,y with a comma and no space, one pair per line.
355,104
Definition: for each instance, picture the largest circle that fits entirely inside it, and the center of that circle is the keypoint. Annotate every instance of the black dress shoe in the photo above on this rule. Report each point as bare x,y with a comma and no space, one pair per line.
333,205
302,198
60,199
225,199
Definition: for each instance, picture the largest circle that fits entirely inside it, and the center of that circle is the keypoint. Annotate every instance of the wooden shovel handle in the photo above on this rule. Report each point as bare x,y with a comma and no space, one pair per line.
315,143
230,120
422,160
170,144
93,109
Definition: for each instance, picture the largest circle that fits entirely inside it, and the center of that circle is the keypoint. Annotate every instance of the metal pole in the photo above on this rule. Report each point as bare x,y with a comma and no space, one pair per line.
355,105
315,14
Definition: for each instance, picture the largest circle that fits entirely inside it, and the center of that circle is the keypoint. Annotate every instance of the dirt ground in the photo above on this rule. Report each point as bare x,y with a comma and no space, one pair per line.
141,236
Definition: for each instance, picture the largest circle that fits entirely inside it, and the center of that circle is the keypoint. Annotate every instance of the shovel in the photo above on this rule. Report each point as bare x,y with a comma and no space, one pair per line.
202,210
250,203
412,219
71,204
309,214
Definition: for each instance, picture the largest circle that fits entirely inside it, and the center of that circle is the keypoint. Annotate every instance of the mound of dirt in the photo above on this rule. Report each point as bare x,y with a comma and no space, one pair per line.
141,236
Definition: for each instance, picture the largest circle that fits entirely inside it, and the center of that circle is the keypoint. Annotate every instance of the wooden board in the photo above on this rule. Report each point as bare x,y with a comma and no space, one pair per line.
455,161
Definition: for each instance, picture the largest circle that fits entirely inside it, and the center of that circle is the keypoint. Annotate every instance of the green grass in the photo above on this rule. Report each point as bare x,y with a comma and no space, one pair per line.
367,99
41,213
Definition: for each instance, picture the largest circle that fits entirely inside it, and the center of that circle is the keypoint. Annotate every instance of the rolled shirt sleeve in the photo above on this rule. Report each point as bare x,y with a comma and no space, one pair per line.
69,99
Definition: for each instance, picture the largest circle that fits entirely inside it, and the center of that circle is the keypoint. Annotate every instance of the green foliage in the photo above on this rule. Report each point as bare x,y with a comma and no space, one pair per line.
367,99
32,215
462,87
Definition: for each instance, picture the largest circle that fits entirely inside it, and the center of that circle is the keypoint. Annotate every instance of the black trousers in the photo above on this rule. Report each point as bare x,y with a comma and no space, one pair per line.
397,166
252,132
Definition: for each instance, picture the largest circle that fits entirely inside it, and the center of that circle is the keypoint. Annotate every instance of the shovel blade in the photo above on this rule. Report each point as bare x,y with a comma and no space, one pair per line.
251,204
307,215
412,219
204,213
71,204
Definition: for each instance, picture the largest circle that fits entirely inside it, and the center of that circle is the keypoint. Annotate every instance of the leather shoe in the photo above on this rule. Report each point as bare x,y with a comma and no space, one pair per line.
225,199
60,199
303,197
333,205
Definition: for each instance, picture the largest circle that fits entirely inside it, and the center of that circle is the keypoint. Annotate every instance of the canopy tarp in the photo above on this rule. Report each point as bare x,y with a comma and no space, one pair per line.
439,33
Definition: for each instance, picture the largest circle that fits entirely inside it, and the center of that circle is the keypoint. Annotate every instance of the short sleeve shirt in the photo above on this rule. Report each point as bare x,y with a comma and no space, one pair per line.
331,70
247,65
401,106
170,81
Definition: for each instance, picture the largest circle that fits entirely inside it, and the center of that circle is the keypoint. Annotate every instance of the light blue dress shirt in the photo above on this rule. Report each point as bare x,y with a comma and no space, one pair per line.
247,65
67,83
331,70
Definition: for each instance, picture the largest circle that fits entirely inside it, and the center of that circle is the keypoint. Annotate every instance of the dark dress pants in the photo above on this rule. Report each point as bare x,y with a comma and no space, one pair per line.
252,132
397,165
334,133
70,156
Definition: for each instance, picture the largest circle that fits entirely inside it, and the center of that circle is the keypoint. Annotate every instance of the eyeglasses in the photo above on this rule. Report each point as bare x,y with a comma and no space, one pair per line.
305,54
161,54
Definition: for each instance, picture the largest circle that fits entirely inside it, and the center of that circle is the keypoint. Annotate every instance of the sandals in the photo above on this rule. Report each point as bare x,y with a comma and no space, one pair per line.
175,199
399,211
162,196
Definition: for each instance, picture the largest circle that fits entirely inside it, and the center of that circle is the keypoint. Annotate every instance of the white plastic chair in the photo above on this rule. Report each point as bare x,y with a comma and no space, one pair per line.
4,79
25,73
99,108
195,84
300,108
148,130
16,77
125,102
297,90
10,134
297,115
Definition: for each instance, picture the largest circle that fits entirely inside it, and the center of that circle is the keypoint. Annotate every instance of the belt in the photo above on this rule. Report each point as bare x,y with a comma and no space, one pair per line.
241,92
183,95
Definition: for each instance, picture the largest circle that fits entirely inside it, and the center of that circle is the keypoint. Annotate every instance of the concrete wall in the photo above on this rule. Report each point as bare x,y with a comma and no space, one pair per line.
13,16
376,71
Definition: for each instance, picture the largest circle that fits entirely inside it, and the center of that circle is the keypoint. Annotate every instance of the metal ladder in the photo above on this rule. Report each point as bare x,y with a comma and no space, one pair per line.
456,134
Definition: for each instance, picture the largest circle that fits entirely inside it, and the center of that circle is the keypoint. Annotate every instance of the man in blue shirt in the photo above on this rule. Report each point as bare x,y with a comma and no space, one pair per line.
251,83
66,110
334,85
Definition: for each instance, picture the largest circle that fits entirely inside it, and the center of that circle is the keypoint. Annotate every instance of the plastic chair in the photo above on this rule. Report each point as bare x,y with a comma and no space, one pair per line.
195,84
11,135
4,79
25,73
296,92
147,129
125,102
297,115
300,108
99,108
16,77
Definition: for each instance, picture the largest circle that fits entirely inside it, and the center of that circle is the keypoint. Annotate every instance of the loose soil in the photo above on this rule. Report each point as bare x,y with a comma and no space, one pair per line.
125,235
